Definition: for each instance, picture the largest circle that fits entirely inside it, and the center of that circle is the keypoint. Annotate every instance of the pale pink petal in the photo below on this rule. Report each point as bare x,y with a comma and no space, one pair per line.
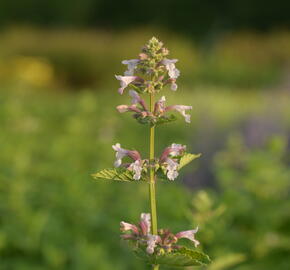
171,168
137,169
123,108
124,226
181,109
169,64
124,82
145,223
189,235
152,241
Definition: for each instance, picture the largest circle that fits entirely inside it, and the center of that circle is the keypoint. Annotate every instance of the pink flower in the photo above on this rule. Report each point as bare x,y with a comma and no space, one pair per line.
173,150
189,235
171,167
124,226
181,109
121,153
145,223
136,167
169,64
124,81
132,64
152,241
126,108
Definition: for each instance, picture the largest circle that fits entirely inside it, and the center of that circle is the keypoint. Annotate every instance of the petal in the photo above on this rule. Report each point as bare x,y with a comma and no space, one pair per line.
173,86
152,240
190,234
124,82
145,223
137,169
135,96
122,108
120,153
181,109
124,226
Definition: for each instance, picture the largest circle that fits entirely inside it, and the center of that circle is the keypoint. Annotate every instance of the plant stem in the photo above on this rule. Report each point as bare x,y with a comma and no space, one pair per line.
152,192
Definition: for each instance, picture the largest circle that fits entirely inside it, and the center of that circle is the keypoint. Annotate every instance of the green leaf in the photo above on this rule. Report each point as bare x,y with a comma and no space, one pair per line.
165,119
116,174
178,258
154,120
187,158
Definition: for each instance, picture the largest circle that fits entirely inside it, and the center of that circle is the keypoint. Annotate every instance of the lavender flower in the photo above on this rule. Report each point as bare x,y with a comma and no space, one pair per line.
170,164
171,167
136,166
169,64
132,64
161,109
181,109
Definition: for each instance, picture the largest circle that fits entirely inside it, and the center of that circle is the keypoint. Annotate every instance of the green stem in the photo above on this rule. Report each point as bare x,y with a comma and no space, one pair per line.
152,192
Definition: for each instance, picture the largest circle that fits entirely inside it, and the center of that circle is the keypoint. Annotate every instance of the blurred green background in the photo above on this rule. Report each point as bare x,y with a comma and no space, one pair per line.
58,121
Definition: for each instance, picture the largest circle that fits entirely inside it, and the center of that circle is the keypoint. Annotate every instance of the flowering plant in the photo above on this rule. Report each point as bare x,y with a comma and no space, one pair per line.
148,75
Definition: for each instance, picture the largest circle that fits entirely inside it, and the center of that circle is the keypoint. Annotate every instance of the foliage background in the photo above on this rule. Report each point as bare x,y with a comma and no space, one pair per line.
58,122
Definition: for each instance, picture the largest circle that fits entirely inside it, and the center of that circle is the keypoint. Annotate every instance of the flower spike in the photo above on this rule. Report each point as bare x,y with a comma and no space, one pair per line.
148,75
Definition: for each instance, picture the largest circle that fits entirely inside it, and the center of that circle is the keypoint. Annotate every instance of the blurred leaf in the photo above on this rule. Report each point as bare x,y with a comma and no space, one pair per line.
187,158
227,261
179,258
166,119
116,174
152,121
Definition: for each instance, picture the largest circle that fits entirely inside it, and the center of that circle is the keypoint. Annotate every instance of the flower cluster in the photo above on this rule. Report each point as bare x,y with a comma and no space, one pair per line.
165,242
152,63
141,112
168,161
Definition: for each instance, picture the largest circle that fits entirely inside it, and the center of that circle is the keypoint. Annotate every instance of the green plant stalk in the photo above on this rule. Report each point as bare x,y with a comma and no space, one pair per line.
152,191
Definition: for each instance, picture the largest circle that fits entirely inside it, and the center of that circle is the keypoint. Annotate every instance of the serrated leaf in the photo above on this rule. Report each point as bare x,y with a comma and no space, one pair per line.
116,174
187,158
179,258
